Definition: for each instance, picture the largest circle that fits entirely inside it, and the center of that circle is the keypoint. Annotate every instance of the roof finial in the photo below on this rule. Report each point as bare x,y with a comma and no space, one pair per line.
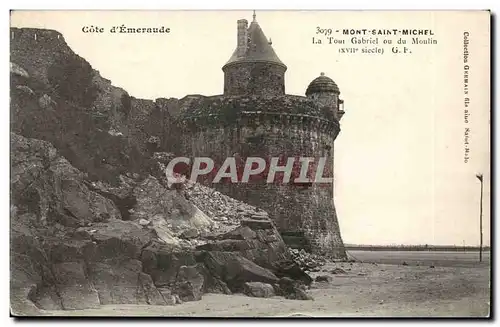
254,16
322,74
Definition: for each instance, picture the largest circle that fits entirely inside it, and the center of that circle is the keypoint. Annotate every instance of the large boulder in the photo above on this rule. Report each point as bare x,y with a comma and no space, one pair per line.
257,243
73,286
120,282
116,239
168,210
290,269
235,270
189,283
261,245
213,283
114,263
46,184
174,271
292,290
258,289
152,293
163,262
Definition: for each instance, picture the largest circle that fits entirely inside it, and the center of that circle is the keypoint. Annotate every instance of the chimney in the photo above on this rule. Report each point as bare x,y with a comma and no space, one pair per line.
242,37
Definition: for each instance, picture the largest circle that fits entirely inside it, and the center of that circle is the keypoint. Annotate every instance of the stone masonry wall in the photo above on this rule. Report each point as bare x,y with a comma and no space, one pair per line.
296,209
255,78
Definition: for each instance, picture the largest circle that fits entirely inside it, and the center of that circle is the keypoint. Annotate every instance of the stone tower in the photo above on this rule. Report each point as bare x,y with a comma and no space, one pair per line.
255,118
254,68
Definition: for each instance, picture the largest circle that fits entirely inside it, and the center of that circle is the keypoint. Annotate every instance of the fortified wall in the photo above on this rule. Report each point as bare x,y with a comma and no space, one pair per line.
290,126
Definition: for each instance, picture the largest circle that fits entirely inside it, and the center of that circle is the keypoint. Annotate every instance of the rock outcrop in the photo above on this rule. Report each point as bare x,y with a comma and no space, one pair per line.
79,244
46,184
94,219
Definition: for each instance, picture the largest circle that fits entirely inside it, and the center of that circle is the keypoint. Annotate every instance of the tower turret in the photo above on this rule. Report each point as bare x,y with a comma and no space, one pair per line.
326,93
254,68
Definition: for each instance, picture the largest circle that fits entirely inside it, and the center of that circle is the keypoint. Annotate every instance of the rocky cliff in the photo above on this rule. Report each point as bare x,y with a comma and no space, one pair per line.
58,97
78,244
93,218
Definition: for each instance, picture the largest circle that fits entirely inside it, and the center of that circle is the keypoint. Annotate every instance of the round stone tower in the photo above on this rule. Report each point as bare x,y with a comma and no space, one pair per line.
254,68
255,118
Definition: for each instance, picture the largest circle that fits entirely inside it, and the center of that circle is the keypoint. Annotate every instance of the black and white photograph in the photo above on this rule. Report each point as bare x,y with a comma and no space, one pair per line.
250,163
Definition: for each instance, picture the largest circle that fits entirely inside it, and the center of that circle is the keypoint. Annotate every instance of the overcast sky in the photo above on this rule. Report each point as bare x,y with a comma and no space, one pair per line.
399,159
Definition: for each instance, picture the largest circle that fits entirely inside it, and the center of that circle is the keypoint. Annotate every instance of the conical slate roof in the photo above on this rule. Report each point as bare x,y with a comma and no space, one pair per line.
322,84
259,48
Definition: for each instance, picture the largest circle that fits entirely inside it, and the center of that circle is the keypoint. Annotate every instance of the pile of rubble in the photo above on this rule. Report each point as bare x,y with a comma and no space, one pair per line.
223,209
306,260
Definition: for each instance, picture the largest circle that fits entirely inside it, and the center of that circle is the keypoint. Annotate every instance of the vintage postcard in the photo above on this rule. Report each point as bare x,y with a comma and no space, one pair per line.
250,163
